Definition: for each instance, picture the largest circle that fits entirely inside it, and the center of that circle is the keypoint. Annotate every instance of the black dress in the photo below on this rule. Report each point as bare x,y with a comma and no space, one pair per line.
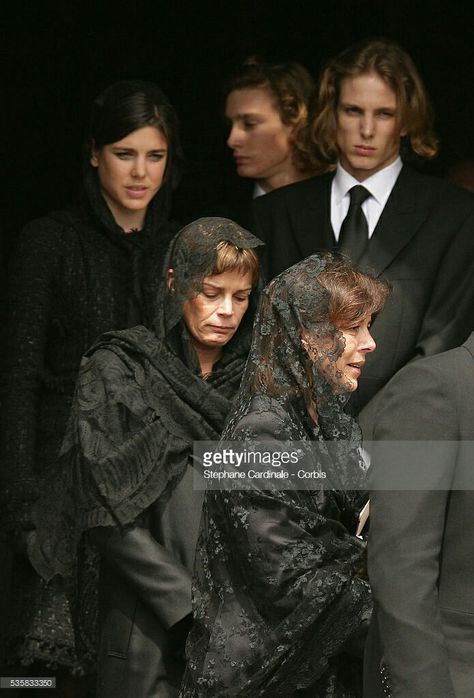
73,275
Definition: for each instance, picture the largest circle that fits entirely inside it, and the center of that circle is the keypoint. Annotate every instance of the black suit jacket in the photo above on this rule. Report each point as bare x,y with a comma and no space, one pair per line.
423,244
421,543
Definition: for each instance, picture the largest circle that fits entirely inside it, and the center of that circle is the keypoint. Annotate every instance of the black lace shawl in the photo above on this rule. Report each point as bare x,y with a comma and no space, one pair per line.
139,405
73,275
276,597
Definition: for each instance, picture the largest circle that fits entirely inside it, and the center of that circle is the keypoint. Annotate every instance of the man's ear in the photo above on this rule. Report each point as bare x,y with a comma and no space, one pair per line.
170,279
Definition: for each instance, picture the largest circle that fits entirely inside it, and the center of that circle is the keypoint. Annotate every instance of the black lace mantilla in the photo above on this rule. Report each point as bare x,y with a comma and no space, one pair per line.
277,599
139,404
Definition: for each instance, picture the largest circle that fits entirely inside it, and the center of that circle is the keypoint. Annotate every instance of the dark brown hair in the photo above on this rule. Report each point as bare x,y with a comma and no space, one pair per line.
126,106
352,293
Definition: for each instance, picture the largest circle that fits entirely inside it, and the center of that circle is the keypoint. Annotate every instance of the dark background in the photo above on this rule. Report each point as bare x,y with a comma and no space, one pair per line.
61,54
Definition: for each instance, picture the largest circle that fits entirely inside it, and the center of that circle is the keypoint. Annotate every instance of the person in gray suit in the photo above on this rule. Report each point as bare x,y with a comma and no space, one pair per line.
421,543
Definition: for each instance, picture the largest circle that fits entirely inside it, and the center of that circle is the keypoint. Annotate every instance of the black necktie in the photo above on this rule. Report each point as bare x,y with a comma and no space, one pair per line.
354,233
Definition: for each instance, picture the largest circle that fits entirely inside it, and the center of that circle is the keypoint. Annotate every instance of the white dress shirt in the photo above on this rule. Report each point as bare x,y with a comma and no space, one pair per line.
258,191
379,185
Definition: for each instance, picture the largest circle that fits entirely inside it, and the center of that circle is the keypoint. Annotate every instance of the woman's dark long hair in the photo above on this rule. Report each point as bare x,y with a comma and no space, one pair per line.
126,106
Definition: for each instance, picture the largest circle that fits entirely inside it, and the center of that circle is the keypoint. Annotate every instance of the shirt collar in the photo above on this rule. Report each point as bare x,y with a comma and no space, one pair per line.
379,184
258,191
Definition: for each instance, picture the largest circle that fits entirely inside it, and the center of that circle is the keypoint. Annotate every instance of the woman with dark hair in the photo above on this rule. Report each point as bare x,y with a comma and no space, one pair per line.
279,606
124,481
76,274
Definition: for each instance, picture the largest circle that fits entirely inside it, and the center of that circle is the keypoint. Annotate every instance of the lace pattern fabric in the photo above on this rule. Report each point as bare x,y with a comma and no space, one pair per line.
277,596
192,256
139,404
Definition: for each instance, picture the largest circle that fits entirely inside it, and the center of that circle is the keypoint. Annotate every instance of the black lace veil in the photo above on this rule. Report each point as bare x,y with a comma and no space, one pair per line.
192,256
276,595
139,404
293,356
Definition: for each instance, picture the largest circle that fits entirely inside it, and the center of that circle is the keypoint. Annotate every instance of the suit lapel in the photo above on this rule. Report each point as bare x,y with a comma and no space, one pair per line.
402,216
311,220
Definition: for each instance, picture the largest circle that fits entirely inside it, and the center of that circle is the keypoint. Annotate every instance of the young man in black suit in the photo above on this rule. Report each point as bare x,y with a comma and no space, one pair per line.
415,231
421,542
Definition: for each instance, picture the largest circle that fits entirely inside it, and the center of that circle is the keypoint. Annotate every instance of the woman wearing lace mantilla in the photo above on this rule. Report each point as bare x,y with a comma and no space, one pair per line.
279,608
142,398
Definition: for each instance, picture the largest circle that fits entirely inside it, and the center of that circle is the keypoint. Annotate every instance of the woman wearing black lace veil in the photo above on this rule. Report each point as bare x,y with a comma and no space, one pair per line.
277,602
124,478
